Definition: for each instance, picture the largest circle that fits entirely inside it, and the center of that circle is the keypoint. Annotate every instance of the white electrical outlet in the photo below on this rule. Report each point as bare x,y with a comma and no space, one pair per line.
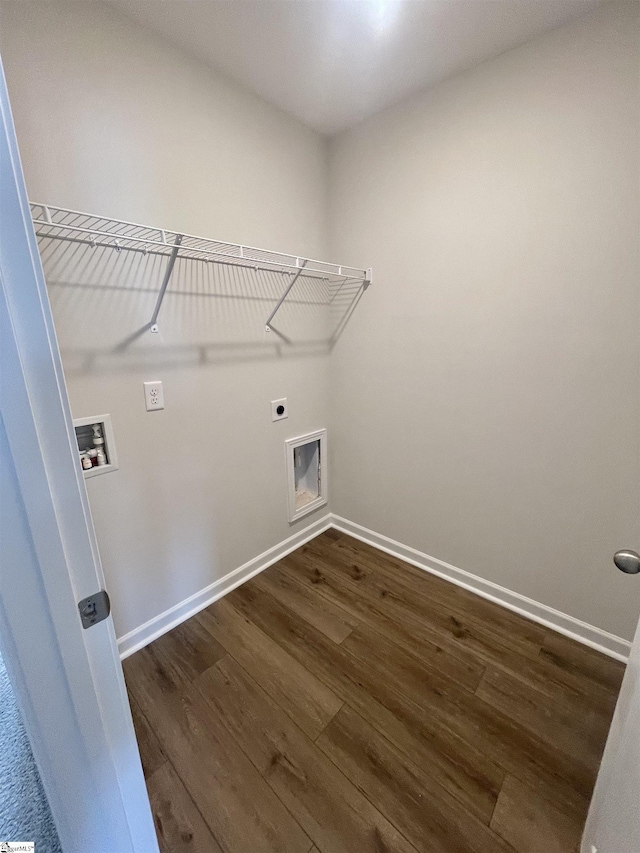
153,396
279,409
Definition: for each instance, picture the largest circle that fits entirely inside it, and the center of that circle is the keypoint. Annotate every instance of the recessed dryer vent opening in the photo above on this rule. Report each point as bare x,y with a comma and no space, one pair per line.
306,458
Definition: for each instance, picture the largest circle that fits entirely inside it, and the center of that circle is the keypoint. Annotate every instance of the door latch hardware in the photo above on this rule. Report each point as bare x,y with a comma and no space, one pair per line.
94,609
627,561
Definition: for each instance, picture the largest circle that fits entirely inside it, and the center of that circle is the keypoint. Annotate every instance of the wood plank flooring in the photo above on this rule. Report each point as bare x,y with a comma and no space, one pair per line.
345,702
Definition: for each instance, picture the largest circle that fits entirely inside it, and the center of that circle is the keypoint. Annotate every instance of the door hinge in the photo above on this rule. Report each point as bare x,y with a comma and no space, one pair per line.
94,609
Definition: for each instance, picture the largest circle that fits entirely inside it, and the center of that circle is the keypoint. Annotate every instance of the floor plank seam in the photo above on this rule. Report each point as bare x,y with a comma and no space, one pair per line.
349,634
430,704
244,751
284,709
265,778
412,763
328,723
382,733
195,804
411,760
544,739
367,798
493,810
319,678
183,781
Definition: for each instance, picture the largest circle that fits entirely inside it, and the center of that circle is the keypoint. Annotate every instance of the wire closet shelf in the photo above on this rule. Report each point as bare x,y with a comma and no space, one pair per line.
59,223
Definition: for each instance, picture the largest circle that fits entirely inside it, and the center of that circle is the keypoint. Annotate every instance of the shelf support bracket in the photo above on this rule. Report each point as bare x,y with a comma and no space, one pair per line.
284,296
153,325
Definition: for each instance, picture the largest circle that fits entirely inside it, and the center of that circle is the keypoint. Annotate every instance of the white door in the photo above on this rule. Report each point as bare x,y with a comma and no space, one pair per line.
68,680
613,824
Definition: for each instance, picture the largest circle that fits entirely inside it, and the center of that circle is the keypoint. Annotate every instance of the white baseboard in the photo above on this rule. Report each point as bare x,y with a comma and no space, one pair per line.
591,636
154,628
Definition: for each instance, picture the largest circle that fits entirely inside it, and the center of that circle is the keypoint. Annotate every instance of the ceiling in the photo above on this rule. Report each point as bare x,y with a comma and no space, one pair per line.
332,63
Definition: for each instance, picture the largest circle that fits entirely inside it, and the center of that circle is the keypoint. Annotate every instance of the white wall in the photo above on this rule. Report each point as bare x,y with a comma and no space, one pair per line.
484,396
113,120
485,399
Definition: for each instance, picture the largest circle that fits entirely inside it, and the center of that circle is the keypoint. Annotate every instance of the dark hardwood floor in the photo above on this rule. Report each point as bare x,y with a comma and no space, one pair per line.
345,702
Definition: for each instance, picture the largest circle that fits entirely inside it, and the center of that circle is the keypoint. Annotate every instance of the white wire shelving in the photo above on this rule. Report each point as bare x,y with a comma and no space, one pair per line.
59,223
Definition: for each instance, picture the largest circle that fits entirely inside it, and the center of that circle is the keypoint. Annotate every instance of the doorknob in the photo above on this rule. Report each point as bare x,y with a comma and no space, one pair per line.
627,561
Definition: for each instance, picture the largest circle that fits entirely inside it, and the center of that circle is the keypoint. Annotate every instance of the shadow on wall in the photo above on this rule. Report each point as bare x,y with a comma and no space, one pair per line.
103,300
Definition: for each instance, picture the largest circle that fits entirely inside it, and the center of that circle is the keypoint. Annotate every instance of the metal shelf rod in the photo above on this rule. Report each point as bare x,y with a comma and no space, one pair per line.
283,297
153,325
